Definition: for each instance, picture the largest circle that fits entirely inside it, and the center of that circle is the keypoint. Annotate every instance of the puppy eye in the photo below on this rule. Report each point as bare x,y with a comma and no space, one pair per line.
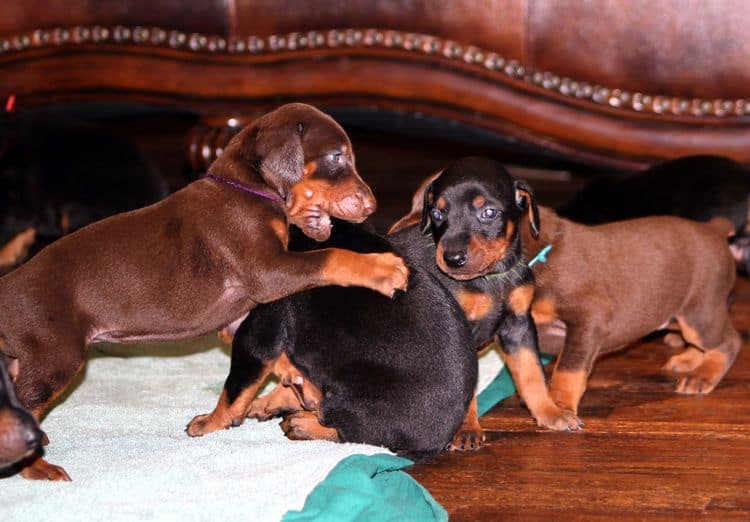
436,214
490,213
336,157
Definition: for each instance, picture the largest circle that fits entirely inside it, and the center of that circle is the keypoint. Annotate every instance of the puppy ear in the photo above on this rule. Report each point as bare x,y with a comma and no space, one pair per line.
417,213
278,153
526,202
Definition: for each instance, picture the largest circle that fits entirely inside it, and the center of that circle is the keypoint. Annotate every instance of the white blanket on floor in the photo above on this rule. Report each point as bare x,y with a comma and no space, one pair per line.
120,436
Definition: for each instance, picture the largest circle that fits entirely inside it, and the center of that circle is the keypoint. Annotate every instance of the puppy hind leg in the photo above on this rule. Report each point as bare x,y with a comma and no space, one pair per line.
246,377
38,385
715,361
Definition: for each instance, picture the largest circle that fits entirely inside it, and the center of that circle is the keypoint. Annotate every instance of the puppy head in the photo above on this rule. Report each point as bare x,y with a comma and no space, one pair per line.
473,211
19,432
307,157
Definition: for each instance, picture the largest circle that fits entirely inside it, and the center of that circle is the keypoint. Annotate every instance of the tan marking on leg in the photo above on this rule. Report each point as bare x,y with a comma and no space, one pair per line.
225,415
529,380
567,388
706,376
520,298
280,401
382,272
40,469
470,436
685,362
309,395
543,310
305,425
689,333
475,305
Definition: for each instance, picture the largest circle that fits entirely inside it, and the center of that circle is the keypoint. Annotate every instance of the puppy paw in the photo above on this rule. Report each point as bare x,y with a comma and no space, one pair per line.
388,273
467,439
684,362
40,469
304,425
704,370
558,419
208,423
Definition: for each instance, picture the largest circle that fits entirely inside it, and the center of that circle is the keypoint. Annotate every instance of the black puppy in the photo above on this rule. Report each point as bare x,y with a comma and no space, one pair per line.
694,187
20,435
472,215
355,366
59,174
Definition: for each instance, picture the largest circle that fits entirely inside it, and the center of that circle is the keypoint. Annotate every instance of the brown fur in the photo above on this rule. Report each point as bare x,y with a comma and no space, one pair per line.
195,262
613,284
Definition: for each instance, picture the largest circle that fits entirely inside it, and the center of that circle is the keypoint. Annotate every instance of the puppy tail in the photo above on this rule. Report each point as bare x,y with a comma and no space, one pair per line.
722,226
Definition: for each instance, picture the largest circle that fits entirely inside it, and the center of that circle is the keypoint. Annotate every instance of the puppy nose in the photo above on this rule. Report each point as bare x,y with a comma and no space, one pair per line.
31,438
455,259
368,202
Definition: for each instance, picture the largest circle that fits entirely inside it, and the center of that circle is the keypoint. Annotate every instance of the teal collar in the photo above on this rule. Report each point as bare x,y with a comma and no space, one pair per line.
541,257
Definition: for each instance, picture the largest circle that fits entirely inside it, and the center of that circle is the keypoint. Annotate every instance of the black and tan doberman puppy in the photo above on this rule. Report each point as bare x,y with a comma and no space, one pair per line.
609,285
20,435
394,373
196,261
472,214
694,187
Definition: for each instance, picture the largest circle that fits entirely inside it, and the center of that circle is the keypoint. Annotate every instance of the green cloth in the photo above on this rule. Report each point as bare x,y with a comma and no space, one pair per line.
369,488
373,488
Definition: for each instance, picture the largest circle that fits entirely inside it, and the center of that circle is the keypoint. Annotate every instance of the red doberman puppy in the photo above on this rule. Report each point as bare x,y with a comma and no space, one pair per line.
20,435
194,262
609,285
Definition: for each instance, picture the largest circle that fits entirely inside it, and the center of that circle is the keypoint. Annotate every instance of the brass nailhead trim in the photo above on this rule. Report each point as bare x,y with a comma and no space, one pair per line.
412,42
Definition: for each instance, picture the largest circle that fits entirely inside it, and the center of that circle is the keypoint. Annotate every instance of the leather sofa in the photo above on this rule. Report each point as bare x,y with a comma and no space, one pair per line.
619,83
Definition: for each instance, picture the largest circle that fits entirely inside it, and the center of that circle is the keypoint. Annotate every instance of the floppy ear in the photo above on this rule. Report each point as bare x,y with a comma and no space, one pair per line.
417,213
278,153
526,201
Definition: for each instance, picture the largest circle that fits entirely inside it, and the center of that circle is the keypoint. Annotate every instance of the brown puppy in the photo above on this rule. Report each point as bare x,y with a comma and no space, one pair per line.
194,262
610,285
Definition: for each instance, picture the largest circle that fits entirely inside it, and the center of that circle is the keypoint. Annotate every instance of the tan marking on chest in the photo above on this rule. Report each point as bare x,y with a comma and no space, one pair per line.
520,298
476,305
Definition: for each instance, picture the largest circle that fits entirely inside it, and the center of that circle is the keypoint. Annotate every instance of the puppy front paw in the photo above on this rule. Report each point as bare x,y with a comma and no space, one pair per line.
388,273
305,425
208,423
558,419
40,469
467,438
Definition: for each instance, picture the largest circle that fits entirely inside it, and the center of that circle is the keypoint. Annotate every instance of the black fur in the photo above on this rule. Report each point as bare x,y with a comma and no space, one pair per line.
397,373
53,166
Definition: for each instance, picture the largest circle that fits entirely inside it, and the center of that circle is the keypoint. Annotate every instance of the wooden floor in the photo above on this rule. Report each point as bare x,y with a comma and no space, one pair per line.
645,451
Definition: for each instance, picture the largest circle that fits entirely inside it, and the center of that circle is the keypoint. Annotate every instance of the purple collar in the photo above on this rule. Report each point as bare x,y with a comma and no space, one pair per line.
244,188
